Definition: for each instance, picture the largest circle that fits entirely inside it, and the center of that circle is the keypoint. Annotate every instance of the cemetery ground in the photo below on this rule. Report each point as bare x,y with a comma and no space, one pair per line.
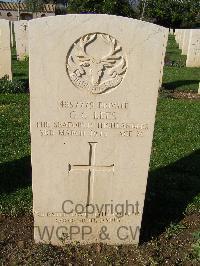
171,222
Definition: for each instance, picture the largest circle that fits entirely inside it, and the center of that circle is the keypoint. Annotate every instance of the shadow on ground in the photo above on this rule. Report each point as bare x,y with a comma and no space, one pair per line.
15,175
179,83
169,190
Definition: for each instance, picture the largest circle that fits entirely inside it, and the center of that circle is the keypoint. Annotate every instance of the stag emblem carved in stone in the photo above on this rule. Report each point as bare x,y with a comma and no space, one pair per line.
96,63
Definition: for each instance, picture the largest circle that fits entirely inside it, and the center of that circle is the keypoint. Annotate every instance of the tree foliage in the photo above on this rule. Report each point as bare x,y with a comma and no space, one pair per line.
34,5
171,13
168,13
114,7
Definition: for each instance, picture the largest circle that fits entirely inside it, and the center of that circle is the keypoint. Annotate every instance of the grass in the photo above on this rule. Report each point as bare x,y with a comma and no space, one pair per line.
196,246
15,153
15,171
19,68
174,229
177,131
179,77
174,183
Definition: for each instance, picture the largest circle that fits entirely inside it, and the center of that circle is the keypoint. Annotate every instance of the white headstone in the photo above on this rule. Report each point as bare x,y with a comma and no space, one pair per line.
94,83
5,49
177,35
180,40
21,38
193,56
11,33
186,38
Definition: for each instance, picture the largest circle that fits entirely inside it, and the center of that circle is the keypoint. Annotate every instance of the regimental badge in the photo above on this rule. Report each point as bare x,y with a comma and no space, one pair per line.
95,72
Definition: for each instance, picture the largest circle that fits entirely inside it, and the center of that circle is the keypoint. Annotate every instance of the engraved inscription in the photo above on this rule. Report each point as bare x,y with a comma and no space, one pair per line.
91,168
93,119
93,71
196,50
24,27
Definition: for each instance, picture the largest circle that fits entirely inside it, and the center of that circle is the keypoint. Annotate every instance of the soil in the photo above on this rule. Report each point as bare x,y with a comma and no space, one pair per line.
170,248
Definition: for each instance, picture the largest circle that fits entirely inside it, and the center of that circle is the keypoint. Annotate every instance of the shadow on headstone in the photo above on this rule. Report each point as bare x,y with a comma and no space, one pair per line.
170,189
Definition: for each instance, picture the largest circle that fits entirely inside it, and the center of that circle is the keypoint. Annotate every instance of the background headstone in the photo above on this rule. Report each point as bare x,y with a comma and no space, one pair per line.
5,49
177,35
180,40
94,82
11,33
186,38
193,56
21,38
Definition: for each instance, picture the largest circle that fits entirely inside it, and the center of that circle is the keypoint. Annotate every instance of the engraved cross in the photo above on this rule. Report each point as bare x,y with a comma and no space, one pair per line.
91,168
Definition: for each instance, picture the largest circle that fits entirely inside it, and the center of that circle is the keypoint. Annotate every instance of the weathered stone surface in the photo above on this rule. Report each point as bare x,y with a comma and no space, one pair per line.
5,49
21,38
94,82
193,56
